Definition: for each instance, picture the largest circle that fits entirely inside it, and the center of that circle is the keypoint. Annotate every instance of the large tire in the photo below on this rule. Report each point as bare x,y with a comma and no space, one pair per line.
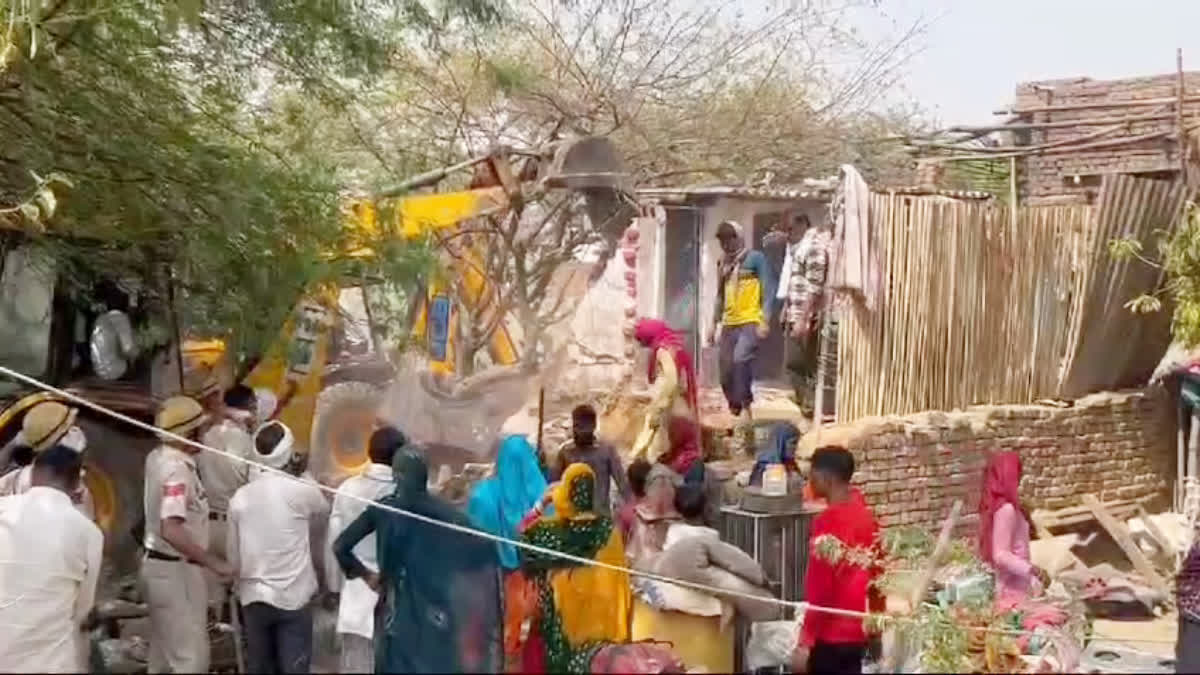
342,426
115,462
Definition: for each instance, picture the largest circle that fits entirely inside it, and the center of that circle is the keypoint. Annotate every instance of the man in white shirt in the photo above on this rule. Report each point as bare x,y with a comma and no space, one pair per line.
356,606
270,549
233,420
49,565
801,299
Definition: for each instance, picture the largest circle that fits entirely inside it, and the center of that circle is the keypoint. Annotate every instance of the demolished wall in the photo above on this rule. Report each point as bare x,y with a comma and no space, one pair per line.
912,468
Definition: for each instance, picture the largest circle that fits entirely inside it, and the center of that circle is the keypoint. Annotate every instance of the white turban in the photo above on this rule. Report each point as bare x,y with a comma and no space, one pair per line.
282,453
74,439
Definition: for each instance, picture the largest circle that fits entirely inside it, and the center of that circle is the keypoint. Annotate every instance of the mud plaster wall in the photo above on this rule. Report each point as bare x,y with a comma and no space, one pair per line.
911,469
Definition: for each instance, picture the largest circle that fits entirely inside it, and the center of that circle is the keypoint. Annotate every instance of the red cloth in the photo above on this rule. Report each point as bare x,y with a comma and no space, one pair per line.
683,441
626,517
844,585
1001,480
656,335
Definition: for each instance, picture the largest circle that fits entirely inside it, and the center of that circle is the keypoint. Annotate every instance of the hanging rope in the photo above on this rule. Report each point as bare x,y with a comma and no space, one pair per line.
799,606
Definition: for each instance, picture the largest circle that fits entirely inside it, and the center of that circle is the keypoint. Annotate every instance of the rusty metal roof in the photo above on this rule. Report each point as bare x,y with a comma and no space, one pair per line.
780,193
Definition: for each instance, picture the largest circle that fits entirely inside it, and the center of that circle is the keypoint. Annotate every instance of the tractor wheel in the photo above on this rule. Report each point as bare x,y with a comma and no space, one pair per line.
342,426
114,464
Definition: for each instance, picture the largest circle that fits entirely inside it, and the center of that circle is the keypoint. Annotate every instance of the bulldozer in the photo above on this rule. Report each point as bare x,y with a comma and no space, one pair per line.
336,385
453,417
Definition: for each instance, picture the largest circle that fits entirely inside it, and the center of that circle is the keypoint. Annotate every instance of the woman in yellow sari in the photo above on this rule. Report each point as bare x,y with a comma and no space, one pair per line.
581,608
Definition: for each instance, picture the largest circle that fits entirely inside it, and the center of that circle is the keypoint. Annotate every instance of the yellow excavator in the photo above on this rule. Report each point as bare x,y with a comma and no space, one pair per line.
337,400
336,394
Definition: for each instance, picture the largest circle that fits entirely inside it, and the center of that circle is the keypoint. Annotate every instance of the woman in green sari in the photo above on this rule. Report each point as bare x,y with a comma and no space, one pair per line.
440,589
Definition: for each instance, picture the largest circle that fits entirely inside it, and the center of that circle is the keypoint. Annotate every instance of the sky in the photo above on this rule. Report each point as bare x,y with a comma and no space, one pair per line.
976,51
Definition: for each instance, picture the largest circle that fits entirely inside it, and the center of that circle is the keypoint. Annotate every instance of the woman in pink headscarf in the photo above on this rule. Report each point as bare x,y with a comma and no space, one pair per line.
1004,531
670,433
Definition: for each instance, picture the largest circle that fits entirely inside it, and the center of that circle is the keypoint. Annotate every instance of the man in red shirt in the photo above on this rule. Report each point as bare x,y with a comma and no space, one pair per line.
832,643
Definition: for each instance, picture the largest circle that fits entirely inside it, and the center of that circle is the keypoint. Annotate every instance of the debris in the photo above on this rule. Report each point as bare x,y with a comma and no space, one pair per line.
1120,534
1103,656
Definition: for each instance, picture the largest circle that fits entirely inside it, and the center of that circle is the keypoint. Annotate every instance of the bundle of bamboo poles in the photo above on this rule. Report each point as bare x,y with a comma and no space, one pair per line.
975,306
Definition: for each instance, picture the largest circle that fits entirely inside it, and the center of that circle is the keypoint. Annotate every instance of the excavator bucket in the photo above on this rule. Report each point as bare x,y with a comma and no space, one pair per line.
592,166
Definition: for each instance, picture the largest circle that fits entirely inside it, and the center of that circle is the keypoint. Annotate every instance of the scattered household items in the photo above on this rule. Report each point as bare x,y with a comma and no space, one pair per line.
955,625
1110,593
1103,656
1111,517
771,644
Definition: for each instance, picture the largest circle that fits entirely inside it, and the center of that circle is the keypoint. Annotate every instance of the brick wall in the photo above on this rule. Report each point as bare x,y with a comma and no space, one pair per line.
1052,174
912,468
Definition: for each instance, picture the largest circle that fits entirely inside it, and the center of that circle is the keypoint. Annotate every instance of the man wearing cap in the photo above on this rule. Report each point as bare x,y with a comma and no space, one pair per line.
271,551
49,568
745,293
45,425
176,543
233,418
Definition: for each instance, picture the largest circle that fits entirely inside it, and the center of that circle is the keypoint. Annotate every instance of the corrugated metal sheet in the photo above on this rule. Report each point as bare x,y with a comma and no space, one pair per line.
792,193
1111,347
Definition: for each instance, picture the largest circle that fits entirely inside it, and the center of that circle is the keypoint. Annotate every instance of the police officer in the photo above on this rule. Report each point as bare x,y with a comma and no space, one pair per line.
176,543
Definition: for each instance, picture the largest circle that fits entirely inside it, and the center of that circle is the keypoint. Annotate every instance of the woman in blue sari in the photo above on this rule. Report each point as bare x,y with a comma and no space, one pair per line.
497,506
440,602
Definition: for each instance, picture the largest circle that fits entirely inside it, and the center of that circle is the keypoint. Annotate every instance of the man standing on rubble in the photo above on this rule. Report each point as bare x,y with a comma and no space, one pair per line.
233,419
49,568
745,293
270,550
176,543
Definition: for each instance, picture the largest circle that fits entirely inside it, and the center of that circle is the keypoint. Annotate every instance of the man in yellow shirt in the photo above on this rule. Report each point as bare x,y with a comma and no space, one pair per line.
745,293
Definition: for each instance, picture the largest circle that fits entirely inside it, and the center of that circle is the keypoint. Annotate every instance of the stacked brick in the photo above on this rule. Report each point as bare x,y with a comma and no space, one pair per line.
913,468
1053,173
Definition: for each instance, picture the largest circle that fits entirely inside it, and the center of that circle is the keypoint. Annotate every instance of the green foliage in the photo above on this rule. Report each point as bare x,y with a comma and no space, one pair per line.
1182,263
190,136
986,175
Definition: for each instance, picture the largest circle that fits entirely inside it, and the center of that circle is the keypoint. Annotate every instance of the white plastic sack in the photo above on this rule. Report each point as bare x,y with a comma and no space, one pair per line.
771,644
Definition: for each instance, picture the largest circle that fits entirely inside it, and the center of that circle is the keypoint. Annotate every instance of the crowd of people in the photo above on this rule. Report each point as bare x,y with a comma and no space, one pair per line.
533,574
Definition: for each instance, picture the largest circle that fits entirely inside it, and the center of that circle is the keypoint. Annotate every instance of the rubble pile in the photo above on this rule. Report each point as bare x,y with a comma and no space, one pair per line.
956,626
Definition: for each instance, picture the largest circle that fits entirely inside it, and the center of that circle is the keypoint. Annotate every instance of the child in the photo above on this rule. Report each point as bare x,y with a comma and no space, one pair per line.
831,643
637,472
690,502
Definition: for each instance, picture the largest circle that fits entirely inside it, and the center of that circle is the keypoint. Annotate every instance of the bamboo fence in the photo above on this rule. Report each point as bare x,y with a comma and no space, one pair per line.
978,306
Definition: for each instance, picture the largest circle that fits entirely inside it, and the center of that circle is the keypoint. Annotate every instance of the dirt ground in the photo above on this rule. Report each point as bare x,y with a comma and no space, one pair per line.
1155,636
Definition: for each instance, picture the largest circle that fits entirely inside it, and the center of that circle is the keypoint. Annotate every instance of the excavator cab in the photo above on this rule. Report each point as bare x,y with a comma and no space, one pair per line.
95,343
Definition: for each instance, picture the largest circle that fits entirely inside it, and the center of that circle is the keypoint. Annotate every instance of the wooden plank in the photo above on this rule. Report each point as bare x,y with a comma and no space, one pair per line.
1156,534
1051,515
1040,526
1121,535
892,660
1121,513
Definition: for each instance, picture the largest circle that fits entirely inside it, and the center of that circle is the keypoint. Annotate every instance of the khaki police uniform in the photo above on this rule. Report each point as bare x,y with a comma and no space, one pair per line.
175,588
222,477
